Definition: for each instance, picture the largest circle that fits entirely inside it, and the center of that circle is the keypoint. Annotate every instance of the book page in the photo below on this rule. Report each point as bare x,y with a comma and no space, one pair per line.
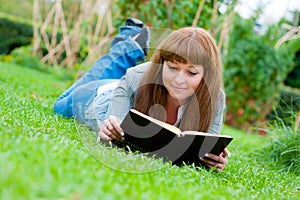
174,129
170,127
203,133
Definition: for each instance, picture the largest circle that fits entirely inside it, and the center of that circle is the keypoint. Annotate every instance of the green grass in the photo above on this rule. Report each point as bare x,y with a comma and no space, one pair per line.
284,150
43,156
16,18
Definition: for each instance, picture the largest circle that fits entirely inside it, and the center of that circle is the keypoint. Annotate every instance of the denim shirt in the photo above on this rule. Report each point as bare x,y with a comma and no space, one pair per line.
118,99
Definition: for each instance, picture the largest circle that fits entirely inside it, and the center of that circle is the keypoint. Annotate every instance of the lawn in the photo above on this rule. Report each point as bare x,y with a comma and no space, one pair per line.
43,156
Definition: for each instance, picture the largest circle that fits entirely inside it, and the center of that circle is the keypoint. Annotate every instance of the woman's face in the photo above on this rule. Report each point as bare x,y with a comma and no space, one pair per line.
181,80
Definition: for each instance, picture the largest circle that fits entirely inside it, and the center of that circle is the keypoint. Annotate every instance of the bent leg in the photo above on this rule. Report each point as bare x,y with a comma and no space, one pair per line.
122,55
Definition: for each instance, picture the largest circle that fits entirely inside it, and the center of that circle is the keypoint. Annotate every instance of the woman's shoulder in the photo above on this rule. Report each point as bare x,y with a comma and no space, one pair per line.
139,69
134,75
222,98
222,93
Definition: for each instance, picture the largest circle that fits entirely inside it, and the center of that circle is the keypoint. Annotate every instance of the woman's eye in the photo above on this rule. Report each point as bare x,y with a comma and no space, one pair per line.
192,73
171,67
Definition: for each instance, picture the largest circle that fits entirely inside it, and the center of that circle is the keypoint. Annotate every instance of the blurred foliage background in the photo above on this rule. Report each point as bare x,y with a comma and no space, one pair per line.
261,78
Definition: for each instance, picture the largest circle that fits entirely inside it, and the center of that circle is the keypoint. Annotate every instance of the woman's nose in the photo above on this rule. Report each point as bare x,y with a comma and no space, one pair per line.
179,78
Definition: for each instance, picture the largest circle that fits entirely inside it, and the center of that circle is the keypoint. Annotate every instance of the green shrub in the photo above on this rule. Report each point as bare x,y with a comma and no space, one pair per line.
274,33
22,56
159,14
288,105
13,34
254,72
283,150
293,79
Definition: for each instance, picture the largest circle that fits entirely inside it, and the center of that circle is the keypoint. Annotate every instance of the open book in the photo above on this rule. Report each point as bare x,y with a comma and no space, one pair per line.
148,135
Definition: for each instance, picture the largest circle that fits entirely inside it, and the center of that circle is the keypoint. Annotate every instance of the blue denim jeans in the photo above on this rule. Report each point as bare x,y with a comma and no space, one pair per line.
124,53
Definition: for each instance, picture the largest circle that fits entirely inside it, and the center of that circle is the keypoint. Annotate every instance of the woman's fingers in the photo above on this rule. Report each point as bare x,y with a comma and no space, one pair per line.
103,136
115,124
216,166
111,130
214,161
114,127
111,134
226,153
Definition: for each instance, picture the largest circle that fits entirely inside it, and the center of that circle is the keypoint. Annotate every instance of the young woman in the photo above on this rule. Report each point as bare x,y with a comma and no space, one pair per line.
182,85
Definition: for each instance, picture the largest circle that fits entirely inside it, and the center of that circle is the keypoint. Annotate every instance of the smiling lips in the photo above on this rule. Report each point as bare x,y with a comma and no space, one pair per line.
179,89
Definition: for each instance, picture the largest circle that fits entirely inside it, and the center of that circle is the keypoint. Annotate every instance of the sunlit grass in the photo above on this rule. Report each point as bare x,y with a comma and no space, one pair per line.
43,156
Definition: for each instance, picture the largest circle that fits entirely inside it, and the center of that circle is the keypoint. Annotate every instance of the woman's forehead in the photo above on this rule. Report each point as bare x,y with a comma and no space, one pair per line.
187,64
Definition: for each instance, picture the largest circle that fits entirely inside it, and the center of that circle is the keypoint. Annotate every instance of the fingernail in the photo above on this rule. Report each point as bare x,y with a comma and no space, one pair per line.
123,139
122,133
201,158
206,155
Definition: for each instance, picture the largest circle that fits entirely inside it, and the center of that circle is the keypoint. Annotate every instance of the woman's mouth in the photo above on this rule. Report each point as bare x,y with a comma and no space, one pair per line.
179,89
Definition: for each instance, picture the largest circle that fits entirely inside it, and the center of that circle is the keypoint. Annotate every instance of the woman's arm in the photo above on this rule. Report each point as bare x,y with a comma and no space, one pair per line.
120,104
218,121
211,160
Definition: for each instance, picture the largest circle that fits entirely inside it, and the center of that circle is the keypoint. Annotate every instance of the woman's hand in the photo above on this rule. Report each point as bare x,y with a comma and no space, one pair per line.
111,130
216,162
